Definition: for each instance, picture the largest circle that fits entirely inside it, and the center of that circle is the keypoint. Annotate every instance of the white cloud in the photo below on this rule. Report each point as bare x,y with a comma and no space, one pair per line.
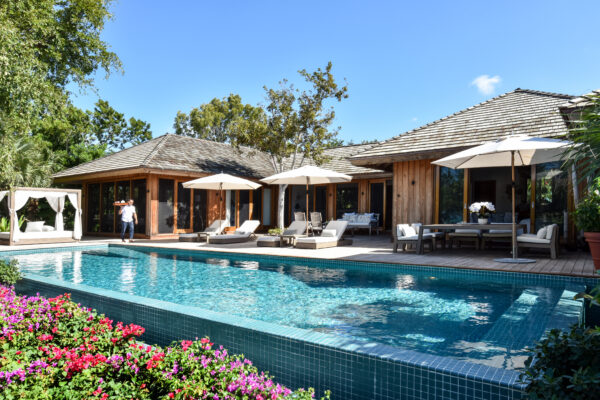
415,119
486,84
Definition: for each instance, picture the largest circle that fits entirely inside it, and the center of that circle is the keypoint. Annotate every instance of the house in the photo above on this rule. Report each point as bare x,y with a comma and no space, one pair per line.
432,194
152,174
394,178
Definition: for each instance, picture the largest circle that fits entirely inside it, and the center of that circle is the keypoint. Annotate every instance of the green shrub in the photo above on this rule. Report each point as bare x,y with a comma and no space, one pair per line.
565,365
9,272
275,231
587,214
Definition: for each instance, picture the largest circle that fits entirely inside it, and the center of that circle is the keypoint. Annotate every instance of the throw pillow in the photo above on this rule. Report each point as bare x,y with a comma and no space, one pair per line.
34,226
549,230
409,231
541,234
47,228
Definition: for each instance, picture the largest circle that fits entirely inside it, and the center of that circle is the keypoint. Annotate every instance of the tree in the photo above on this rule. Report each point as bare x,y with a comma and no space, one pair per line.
293,127
110,128
219,120
25,161
44,46
584,155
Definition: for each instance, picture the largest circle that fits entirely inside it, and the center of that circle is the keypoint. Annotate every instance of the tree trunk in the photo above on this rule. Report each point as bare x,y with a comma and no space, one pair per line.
281,206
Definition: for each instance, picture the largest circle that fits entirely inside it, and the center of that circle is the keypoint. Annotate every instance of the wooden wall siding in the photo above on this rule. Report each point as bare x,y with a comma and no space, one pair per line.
331,190
213,205
413,192
363,191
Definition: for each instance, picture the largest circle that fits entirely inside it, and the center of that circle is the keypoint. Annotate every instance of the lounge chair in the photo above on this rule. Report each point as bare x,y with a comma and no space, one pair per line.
241,234
216,228
545,238
465,235
299,216
330,237
316,222
295,230
407,235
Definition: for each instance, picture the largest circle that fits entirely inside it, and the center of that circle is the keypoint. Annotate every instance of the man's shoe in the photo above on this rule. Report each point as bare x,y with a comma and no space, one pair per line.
123,240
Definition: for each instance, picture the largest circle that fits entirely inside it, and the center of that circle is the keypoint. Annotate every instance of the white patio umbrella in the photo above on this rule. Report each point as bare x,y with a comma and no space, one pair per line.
517,150
221,182
307,175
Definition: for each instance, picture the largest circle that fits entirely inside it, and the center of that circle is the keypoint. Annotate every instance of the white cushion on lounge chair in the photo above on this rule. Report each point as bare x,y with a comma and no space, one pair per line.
529,238
247,228
328,233
409,231
474,231
215,228
338,226
34,226
506,231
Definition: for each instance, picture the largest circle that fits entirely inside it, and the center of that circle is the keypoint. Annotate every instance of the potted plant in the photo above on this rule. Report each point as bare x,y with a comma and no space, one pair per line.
587,218
483,209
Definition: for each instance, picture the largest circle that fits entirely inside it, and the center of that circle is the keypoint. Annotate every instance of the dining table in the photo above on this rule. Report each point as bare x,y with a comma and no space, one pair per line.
463,225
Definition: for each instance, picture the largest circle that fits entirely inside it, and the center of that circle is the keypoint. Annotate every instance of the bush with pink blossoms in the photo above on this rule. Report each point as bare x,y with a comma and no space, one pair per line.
56,349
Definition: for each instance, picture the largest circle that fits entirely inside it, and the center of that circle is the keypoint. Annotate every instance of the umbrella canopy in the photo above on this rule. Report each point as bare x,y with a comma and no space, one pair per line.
512,151
221,182
307,175
527,151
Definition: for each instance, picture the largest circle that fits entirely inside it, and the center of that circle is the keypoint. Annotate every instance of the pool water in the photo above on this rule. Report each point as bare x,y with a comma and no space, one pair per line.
444,312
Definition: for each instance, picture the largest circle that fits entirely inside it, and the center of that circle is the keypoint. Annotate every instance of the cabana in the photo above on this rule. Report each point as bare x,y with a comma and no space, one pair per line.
17,198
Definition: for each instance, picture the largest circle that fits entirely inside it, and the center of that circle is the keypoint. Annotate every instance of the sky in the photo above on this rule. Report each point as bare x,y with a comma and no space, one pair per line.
406,63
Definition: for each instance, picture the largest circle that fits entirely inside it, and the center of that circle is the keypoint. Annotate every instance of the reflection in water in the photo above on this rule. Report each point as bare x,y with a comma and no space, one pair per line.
127,278
77,277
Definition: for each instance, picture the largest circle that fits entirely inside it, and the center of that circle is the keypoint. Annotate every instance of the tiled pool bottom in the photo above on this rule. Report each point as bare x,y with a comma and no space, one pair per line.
350,368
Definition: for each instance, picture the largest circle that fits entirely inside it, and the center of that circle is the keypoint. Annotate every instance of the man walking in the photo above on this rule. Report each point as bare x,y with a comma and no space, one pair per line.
128,219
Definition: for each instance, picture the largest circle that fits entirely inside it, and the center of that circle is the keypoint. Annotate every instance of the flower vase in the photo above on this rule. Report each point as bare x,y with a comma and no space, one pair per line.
593,239
482,221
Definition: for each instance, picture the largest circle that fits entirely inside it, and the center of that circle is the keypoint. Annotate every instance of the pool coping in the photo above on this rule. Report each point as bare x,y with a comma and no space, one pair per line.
440,364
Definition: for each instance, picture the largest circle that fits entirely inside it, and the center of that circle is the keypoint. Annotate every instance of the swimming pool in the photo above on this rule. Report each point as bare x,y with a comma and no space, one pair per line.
485,318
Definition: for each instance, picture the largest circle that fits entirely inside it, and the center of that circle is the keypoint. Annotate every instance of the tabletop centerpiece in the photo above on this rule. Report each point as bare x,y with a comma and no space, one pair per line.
484,210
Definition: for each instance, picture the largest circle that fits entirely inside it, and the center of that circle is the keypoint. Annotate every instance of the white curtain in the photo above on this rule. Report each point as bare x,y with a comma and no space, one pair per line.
58,205
20,201
77,224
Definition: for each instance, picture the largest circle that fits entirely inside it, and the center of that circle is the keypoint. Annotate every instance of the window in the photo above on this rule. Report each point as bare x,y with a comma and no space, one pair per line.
107,223
376,200
266,207
231,195
321,201
551,185
123,193
346,199
166,200
184,205
244,206
93,207
451,195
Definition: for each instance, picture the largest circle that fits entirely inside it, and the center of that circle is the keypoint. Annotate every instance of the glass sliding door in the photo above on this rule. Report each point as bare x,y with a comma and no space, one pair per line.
321,201
166,205
376,200
231,208
200,209
93,207
451,195
138,194
184,207
243,206
123,191
257,204
551,188
346,200
107,219
389,203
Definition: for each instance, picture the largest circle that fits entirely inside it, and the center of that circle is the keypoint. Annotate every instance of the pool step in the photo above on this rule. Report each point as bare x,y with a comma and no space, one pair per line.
524,321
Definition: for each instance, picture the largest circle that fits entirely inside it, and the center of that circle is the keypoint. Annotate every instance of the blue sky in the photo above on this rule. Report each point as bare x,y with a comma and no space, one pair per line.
406,63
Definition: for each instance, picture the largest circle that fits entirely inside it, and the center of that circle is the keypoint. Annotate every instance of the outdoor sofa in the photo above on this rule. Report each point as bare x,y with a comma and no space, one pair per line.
295,230
242,234
545,238
331,236
360,221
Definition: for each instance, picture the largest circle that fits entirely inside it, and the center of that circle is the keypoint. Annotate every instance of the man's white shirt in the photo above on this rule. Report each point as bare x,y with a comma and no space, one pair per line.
127,213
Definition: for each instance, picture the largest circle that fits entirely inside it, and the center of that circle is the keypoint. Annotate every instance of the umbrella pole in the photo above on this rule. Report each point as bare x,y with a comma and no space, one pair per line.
307,206
220,203
514,222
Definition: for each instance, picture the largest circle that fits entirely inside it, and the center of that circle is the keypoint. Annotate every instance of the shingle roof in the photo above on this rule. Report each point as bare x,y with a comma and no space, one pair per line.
581,101
180,153
340,159
521,111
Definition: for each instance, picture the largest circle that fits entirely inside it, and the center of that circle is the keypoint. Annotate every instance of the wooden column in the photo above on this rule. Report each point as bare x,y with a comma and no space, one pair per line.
532,204
152,217
331,190
466,196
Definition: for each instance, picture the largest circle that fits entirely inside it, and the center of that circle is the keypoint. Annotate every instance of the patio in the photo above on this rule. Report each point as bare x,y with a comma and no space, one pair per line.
379,249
